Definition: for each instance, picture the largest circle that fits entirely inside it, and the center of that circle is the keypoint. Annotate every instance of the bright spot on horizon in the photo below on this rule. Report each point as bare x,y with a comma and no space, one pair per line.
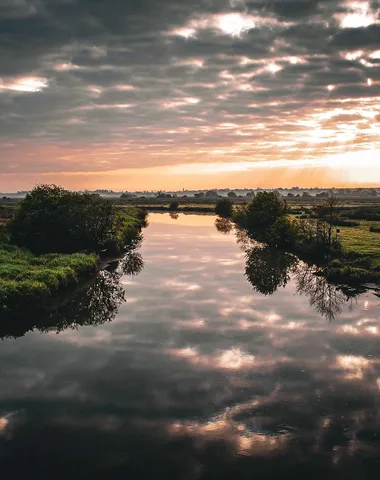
330,88
24,84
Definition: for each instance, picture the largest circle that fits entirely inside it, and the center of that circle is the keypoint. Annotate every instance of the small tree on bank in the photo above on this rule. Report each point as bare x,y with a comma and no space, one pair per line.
327,214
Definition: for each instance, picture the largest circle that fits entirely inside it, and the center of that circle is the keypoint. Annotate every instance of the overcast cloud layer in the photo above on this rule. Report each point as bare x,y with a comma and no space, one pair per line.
98,86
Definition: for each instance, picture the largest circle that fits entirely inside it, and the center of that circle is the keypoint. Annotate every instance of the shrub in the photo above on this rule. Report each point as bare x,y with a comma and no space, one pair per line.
51,219
374,229
224,208
283,233
262,213
173,205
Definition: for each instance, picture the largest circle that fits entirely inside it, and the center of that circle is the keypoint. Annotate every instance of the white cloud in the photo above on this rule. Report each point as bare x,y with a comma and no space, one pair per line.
24,84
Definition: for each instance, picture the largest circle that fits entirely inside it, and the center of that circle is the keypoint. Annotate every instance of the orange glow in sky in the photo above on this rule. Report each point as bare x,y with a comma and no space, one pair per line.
192,104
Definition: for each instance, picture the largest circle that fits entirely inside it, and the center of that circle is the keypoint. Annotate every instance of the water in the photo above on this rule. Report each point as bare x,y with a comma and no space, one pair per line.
197,375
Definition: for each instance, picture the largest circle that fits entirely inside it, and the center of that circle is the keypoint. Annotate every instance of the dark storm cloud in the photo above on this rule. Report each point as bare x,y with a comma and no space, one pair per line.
171,73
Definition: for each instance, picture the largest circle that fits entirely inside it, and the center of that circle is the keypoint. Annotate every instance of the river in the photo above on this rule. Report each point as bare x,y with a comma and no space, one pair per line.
221,363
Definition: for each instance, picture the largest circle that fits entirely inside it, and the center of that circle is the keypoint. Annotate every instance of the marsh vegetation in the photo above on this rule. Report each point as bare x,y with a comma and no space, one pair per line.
55,239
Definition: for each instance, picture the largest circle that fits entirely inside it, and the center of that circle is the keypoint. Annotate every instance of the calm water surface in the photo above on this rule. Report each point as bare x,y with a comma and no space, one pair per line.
198,375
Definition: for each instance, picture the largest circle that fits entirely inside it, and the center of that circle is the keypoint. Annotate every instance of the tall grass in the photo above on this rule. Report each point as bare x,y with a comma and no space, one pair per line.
29,278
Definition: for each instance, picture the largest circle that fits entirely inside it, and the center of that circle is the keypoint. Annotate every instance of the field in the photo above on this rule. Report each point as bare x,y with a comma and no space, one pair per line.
361,241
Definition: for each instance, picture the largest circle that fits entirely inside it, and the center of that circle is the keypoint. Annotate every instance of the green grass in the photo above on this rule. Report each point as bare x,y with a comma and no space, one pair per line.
29,278
359,261
361,241
361,255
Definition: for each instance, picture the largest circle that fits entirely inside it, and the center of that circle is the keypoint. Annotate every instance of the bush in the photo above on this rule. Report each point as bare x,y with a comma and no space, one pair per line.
224,208
262,213
374,229
51,219
174,205
282,234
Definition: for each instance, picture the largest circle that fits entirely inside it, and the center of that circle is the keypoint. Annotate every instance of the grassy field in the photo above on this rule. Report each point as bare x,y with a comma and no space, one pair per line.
361,241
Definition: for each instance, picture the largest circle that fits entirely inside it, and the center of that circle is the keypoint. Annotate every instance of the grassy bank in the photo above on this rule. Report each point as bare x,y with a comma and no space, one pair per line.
34,278
359,261
343,241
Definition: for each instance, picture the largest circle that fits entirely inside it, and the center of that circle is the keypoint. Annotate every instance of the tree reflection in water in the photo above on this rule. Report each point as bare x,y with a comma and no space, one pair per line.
93,303
268,269
223,225
325,298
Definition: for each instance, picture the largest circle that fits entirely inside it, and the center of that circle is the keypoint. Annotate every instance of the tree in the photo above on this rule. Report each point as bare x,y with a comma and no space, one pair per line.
51,219
264,209
211,193
224,208
266,220
174,205
327,214
231,195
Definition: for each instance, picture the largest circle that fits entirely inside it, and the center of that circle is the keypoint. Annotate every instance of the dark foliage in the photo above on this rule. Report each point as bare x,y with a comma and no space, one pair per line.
267,269
51,219
224,207
174,205
223,225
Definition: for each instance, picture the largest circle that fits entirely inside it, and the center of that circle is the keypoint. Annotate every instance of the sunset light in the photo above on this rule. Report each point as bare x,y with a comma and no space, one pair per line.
232,89
190,239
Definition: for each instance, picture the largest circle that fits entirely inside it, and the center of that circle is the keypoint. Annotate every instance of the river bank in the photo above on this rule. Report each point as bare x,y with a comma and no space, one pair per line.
32,280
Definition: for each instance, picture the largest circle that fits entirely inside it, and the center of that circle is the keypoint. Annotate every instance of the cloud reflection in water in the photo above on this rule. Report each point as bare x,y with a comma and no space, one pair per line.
210,382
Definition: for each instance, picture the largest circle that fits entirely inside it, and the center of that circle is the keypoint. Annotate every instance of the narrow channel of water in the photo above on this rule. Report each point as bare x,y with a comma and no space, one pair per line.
219,365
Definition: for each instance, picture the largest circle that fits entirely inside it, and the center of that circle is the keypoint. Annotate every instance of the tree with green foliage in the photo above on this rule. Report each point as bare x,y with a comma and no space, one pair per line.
52,219
265,219
224,207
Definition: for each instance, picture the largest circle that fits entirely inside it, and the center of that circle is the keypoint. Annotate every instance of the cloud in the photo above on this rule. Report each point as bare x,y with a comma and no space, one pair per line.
153,83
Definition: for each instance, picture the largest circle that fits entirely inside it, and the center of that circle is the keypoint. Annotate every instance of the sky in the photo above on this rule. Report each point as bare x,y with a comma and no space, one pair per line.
172,94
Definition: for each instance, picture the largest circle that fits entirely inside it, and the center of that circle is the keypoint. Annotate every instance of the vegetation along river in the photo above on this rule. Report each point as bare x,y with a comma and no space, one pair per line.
223,362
